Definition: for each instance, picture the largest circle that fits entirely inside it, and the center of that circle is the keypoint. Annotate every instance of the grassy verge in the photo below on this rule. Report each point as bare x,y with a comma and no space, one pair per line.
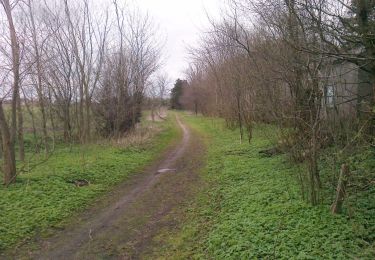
252,209
44,196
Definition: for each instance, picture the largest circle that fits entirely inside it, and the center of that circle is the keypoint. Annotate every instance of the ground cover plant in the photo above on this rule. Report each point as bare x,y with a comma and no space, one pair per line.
46,193
252,207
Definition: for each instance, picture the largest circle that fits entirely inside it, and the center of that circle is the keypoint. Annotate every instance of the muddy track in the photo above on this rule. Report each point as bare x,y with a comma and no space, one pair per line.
123,225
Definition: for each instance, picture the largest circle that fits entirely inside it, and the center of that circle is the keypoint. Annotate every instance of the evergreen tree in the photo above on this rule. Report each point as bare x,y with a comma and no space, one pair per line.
176,94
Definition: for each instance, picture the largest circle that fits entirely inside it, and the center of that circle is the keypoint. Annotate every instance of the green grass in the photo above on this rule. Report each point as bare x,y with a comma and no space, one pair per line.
44,197
252,208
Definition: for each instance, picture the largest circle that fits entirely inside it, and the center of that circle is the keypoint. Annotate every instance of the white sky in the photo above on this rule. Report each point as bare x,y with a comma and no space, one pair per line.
181,21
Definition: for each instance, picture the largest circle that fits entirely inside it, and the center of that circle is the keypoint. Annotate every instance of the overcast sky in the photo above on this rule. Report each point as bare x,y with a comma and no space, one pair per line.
181,22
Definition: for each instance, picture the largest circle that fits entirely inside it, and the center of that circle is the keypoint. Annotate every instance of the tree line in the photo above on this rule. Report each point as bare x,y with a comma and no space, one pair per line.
307,66
77,69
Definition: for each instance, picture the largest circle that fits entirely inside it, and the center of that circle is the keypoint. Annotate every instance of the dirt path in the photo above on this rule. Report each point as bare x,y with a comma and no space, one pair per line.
123,225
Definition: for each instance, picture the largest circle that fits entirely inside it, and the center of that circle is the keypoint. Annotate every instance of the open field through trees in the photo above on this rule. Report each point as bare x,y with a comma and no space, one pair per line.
77,71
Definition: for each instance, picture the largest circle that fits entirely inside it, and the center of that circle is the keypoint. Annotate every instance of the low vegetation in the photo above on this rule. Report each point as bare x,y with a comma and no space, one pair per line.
47,194
252,206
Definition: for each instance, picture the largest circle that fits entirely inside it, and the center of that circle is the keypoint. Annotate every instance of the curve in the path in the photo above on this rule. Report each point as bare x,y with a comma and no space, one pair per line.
104,224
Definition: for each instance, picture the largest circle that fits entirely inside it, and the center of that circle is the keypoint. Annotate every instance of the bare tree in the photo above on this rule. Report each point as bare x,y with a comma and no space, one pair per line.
126,72
76,69
36,58
9,132
156,92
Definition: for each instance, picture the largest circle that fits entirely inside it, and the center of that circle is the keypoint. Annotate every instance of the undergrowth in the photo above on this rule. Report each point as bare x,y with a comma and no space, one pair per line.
252,208
45,196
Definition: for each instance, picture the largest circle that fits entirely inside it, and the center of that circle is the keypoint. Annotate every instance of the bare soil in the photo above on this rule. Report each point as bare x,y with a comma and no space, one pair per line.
123,225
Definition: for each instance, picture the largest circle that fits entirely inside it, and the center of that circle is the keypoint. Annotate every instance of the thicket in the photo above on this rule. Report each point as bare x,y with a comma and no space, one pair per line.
306,67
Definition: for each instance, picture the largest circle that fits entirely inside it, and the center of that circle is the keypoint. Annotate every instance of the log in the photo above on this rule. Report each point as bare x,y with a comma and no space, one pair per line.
270,152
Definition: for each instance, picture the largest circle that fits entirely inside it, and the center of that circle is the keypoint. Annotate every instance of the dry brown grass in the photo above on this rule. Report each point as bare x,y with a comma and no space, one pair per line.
138,137
159,115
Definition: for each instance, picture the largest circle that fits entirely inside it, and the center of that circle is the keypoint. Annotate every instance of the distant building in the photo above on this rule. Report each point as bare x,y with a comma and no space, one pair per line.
344,90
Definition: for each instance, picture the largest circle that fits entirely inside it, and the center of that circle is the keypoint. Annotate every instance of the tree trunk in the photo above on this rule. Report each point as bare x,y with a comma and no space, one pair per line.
9,160
9,135
88,116
44,124
31,114
67,127
81,124
336,207
239,117
15,68
152,111
1,145
53,126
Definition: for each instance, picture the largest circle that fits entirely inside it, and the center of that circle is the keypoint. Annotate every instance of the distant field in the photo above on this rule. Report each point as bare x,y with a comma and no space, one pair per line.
44,195
251,207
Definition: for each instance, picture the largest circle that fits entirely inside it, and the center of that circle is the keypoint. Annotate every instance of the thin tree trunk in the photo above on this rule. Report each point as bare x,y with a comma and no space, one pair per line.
336,207
81,125
1,145
29,110
21,144
239,118
39,79
88,116
44,124
152,111
52,120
